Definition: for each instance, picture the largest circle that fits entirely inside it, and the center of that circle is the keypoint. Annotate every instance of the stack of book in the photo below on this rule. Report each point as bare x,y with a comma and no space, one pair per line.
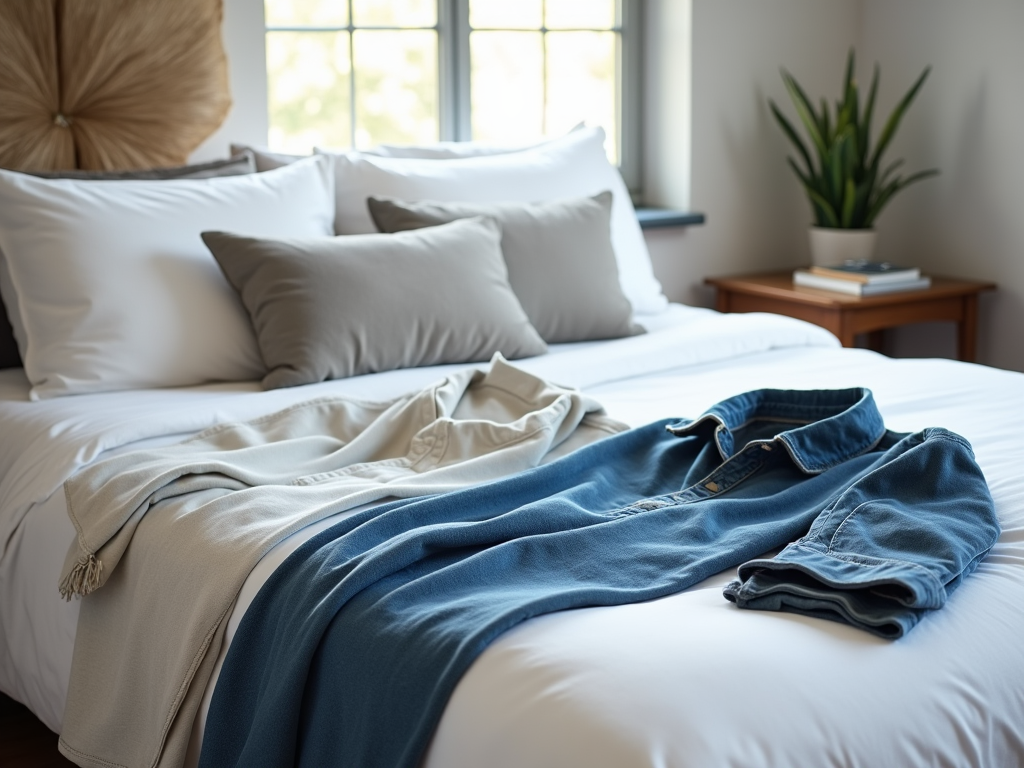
862,278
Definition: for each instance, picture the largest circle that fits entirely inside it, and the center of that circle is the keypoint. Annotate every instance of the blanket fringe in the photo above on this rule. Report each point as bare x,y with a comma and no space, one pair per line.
83,578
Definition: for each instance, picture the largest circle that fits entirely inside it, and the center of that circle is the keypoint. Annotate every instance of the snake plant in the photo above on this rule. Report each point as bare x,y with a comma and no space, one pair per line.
847,185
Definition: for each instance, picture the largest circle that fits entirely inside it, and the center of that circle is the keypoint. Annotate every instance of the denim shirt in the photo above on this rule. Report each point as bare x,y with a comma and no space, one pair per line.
349,652
894,540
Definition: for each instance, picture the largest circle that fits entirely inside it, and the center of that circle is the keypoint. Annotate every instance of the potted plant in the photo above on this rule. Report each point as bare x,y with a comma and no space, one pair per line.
841,172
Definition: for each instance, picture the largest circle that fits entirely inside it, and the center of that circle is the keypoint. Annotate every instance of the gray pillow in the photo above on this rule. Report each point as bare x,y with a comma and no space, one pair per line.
559,255
266,159
239,163
332,307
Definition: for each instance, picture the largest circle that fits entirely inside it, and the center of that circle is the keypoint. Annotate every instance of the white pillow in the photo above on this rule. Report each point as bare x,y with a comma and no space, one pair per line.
447,150
115,288
442,150
574,165
267,159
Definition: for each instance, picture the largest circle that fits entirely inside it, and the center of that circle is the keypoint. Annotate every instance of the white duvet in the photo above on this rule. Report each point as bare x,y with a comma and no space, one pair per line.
688,680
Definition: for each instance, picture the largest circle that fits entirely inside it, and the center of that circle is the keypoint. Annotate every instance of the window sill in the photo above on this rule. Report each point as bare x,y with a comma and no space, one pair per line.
656,218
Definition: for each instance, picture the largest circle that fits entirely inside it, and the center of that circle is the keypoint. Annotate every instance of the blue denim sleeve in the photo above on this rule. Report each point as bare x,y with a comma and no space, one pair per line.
890,548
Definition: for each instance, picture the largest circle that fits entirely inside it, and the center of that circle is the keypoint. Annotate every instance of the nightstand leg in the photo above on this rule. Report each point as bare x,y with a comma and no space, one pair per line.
967,330
846,335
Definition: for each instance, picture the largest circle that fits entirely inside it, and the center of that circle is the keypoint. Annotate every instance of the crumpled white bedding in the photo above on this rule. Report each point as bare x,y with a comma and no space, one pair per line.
688,680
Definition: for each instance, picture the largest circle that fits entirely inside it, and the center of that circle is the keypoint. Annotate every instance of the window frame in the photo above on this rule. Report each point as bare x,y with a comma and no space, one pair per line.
453,76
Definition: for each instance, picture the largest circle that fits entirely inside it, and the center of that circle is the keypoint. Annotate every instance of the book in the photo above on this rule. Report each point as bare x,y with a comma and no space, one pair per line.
854,288
868,272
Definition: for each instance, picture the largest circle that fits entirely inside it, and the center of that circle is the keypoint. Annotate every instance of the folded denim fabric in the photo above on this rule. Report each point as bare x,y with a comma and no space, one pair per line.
890,549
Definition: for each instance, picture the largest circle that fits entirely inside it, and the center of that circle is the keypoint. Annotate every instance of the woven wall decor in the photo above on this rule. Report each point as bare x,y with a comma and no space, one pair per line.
109,84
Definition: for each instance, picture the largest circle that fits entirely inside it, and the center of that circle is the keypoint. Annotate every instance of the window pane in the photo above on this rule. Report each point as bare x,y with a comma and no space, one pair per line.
581,83
303,13
579,14
505,14
396,87
507,86
308,75
394,13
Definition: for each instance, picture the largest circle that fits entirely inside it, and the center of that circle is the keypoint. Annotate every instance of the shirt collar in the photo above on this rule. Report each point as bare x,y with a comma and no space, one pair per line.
829,426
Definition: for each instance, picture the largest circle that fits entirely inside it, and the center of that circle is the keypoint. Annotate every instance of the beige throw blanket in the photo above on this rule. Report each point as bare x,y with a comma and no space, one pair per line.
166,537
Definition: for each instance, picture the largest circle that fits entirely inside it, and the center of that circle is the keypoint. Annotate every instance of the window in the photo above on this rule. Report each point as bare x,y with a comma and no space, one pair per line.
355,73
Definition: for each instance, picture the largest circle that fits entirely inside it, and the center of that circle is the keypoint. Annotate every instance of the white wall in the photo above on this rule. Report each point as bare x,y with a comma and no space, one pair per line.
757,217
967,121
247,122
969,222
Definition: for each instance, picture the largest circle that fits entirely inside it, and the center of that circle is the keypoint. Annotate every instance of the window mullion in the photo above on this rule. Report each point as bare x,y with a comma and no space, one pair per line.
629,90
462,125
544,66
447,69
453,79
351,76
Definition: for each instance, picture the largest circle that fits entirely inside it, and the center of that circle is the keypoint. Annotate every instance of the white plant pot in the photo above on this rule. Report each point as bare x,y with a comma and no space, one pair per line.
830,247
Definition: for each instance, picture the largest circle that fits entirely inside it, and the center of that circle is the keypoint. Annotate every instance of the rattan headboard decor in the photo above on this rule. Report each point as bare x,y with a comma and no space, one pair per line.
109,84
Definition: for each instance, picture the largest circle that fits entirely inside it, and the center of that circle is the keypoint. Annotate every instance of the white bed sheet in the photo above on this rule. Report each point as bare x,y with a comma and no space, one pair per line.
687,680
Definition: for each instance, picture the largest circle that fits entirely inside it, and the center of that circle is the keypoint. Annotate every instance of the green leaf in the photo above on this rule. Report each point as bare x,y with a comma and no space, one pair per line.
805,112
860,207
849,203
887,191
853,102
879,201
869,110
848,77
919,176
884,178
897,115
835,174
807,179
790,131
810,186
844,107
830,218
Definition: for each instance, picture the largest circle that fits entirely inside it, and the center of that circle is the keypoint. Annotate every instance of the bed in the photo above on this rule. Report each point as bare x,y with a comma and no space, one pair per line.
685,680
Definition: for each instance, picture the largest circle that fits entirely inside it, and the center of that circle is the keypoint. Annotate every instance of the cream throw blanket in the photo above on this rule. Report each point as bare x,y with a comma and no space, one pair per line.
166,537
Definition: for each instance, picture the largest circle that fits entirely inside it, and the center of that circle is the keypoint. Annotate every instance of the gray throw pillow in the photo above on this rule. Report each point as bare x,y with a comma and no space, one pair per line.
267,160
559,255
239,163
328,308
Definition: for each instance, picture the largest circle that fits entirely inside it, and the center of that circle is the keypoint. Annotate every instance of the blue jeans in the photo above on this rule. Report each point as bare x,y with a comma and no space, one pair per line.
349,653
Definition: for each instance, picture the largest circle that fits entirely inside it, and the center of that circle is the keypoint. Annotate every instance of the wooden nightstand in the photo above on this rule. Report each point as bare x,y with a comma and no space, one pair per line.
846,316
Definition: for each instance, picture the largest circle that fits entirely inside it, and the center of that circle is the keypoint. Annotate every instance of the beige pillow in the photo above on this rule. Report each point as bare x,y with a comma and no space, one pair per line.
239,164
559,257
333,307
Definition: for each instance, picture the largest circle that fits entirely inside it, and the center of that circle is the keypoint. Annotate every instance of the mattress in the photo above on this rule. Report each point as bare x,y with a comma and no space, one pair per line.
687,680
